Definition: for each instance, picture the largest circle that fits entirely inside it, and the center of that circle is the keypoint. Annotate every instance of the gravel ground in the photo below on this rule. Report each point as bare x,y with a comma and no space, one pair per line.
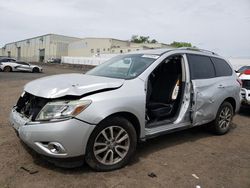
184,159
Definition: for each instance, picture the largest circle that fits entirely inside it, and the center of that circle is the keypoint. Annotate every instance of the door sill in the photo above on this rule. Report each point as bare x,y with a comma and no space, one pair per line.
157,131
160,123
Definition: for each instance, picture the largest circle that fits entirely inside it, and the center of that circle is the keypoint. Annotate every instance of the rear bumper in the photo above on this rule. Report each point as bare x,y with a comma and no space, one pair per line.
71,136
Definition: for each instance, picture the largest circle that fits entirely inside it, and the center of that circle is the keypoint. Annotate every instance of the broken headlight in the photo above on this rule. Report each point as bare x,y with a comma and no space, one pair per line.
62,109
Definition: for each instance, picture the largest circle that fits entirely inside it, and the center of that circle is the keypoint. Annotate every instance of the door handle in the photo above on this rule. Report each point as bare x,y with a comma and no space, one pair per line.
221,86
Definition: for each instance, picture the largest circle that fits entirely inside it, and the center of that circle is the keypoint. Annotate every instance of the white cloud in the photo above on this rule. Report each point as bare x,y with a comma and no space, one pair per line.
220,25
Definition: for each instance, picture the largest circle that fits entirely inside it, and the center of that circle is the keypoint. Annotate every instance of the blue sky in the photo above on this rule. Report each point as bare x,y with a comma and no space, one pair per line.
219,25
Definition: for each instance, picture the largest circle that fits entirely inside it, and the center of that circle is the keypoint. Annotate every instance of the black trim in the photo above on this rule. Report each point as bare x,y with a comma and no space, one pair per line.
168,131
83,121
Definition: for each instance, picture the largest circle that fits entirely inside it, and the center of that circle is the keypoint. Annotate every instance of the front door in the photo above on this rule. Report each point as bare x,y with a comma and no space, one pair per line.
22,66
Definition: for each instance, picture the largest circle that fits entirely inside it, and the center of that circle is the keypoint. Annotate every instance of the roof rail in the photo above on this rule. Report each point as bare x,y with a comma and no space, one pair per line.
197,49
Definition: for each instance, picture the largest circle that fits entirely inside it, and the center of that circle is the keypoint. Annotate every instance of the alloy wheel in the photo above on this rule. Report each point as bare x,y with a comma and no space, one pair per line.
225,118
111,145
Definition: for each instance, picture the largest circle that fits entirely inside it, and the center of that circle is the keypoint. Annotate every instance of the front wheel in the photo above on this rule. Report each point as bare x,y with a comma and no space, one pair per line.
35,69
111,145
224,117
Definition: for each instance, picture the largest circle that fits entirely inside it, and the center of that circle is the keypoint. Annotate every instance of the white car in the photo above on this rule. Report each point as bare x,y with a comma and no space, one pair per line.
54,60
245,90
9,65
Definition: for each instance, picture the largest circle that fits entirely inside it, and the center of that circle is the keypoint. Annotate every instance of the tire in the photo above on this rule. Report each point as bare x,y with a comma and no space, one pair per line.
100,150
35,69
221,124
7,69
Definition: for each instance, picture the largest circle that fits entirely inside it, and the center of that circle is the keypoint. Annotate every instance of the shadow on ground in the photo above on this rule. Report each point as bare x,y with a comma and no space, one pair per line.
245,111
76,165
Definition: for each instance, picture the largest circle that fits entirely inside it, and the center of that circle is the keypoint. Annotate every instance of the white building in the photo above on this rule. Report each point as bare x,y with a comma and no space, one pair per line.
39,48
88,47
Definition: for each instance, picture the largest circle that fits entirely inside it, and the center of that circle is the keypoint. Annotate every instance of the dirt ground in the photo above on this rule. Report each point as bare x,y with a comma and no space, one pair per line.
184,159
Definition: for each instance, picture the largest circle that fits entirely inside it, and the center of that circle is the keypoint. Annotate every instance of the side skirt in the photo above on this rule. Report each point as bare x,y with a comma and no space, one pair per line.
166,129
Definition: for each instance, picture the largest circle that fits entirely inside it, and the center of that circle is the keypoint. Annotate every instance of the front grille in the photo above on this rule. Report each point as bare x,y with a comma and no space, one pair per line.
30,105
246,84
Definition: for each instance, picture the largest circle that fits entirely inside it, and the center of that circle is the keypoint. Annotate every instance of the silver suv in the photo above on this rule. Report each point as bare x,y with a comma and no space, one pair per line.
103,114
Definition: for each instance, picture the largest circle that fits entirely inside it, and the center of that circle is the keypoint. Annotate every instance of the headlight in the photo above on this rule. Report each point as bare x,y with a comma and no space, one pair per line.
62,109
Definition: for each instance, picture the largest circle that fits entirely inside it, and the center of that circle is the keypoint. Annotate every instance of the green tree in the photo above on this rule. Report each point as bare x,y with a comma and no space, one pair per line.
142,39
181,44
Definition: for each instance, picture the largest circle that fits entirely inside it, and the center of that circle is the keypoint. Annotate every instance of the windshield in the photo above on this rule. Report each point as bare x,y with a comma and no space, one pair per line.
124,66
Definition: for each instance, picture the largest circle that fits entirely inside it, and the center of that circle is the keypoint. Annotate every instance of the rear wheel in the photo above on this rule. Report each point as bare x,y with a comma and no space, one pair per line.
224,117
111,145
7,69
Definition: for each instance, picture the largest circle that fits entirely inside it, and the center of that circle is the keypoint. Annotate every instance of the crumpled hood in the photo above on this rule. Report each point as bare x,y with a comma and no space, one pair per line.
70,84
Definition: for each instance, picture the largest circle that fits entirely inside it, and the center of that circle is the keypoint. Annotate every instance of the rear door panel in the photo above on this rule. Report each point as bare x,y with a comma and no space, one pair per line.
205,89
205,99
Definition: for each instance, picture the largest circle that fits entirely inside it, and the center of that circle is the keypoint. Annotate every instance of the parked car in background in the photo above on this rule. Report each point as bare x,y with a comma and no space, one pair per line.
54,60
245,90
242,69
102,114
12,65
7,59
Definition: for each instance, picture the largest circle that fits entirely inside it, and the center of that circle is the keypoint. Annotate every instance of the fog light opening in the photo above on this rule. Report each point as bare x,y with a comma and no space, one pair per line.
56,148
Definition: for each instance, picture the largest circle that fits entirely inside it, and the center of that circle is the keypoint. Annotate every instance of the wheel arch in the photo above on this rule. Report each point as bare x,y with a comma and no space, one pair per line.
11,69
130,117
35,69
232,101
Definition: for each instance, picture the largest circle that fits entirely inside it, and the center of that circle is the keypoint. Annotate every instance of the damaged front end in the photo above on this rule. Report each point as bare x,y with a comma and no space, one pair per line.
59,97
41,109
30,105
48,125
45,116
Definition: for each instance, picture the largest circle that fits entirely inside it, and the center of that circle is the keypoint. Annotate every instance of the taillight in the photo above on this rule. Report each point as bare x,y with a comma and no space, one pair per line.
239,81
247,72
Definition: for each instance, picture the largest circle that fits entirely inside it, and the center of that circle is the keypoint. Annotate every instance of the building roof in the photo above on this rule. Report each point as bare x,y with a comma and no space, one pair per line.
104,38
42,36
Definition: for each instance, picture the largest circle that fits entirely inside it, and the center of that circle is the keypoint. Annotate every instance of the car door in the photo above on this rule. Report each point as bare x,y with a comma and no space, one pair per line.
182,116
22,66
204,90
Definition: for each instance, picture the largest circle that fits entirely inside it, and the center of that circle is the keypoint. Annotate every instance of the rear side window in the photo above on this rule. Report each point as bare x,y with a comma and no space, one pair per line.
201,67
221,67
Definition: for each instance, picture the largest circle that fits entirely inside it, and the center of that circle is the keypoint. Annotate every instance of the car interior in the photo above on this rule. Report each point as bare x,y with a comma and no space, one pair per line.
165,91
